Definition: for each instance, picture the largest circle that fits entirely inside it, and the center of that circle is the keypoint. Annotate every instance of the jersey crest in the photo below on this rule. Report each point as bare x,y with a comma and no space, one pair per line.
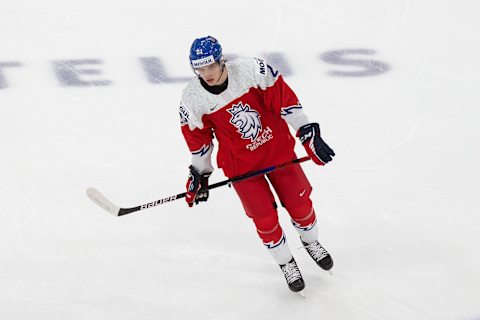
246,120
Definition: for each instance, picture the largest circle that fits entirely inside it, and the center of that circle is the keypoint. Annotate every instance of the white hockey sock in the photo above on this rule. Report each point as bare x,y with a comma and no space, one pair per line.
280,250
308,233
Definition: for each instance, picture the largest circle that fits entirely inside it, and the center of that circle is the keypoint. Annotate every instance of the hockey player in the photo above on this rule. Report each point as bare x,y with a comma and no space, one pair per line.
247,106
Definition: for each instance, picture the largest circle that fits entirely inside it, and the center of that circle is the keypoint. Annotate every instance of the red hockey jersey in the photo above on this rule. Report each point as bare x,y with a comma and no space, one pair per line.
249,119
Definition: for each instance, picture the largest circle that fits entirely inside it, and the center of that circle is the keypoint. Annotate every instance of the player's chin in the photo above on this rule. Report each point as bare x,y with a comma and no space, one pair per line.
210,82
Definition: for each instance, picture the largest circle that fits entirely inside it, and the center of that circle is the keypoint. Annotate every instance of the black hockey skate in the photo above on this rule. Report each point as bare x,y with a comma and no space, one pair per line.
293,276
319,254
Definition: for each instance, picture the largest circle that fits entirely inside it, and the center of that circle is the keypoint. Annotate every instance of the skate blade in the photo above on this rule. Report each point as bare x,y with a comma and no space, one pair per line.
330,271
301,294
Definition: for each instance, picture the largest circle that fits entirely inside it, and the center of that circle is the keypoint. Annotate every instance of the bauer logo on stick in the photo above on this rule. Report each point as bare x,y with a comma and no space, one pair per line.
156,203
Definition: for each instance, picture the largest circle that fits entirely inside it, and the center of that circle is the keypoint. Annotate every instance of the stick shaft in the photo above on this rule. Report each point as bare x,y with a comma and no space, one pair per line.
123,211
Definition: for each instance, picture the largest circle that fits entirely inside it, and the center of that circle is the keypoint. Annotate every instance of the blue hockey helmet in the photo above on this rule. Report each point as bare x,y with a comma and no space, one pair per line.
205,51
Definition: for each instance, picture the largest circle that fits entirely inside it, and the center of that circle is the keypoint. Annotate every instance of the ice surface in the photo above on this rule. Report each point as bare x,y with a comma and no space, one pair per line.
398,208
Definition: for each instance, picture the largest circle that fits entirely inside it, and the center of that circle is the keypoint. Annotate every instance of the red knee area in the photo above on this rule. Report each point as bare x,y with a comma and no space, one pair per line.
303,214
268,228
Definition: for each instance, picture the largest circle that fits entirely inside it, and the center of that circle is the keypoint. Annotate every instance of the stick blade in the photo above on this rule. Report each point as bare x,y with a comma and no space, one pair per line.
97,197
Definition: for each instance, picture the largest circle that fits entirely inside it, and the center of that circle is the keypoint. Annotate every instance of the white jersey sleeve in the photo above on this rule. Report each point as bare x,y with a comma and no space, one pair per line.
267,76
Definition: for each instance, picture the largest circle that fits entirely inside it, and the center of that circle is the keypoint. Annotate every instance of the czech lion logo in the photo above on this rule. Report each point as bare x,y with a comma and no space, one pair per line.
246,120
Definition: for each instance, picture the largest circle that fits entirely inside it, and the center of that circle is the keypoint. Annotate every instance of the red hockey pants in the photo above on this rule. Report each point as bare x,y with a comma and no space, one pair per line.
293,190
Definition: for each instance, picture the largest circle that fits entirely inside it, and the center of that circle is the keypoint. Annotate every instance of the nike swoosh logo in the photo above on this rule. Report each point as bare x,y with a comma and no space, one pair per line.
211,109
302,193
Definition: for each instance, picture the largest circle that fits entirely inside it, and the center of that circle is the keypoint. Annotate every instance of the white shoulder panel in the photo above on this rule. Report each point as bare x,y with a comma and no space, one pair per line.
196,101
243,74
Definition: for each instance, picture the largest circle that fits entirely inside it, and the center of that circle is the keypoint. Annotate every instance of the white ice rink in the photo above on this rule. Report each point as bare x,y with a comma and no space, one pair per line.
398,208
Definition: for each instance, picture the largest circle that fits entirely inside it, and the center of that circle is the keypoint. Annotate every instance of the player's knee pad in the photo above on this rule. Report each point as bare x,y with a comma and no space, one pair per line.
303,214
268,228
305,222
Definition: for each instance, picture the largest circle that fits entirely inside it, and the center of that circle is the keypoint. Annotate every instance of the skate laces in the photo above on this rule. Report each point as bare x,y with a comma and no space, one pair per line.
316,250
291,272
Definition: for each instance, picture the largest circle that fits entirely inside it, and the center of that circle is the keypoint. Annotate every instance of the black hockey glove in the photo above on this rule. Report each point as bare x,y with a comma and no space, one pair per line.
197,187
317,149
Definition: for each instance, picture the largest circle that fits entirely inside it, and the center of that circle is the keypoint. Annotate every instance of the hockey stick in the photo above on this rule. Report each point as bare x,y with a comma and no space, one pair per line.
102,201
